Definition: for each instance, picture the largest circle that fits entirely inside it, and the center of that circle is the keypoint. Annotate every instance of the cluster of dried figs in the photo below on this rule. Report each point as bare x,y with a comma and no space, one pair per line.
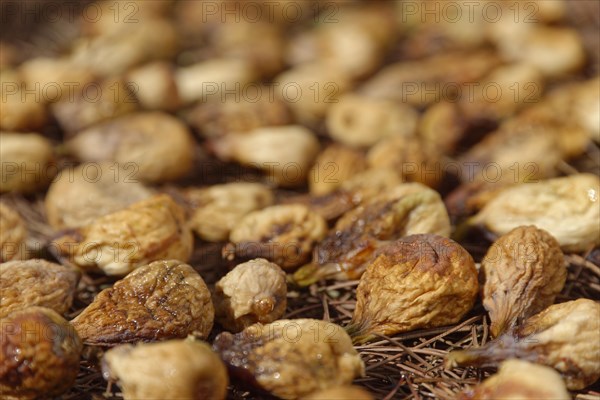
358,142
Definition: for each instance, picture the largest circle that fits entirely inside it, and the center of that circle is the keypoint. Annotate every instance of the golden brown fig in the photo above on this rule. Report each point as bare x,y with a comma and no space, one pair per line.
36,283
80,195
160,145
284,234
341,393
171,370
418,282
370,183
334,165
568,208
218,208
13,235
404,210
27,162
519,380
524,271
21,112
162,300
118,243
252,292
39,354
291,358
563,336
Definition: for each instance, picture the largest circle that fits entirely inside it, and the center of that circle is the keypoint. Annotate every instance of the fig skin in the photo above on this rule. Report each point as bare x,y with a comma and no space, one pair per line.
13,235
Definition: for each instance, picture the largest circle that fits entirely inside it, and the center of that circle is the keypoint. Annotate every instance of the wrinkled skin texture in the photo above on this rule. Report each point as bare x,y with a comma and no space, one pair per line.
218,208
163,300
82,194
13,235
118,243
39,354
27,162
160,145
519,380
334,165
404,210
254,291
291,358
418,282
568,208
36,283
524,271
563,336
175,369
284,234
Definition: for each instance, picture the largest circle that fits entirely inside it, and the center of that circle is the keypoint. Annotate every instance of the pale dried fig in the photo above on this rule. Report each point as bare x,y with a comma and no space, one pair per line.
171,370
80,195
524,271
13,235
27,162
522,380
291,358
563,336
39,354
285,153
252,292
218,208
568,208
117,243
344,253
371,183
284,234
418,282
162,300
160,145
334,165
36,283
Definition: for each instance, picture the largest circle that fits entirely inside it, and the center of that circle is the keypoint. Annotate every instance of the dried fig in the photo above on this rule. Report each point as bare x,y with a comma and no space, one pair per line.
334,165
563,336
174,369
291,358
407,209
39,354
421,281
254,291
27,162
159,145
517,379
568,208
13,235
524,271
117,243
80,195
284,234
162,300
36,283
218,208
371,183
286,153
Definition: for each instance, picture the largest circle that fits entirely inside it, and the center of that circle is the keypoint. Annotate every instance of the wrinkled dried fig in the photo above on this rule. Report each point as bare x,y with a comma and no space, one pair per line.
291,358
162,300
39,354
517,379
13,235
334,165
171,370
421,281
284,234
568,208
252,292
118,243
160,145
218,208
82,194
370,183
563,336
36,283
407,209
524,271
341,393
